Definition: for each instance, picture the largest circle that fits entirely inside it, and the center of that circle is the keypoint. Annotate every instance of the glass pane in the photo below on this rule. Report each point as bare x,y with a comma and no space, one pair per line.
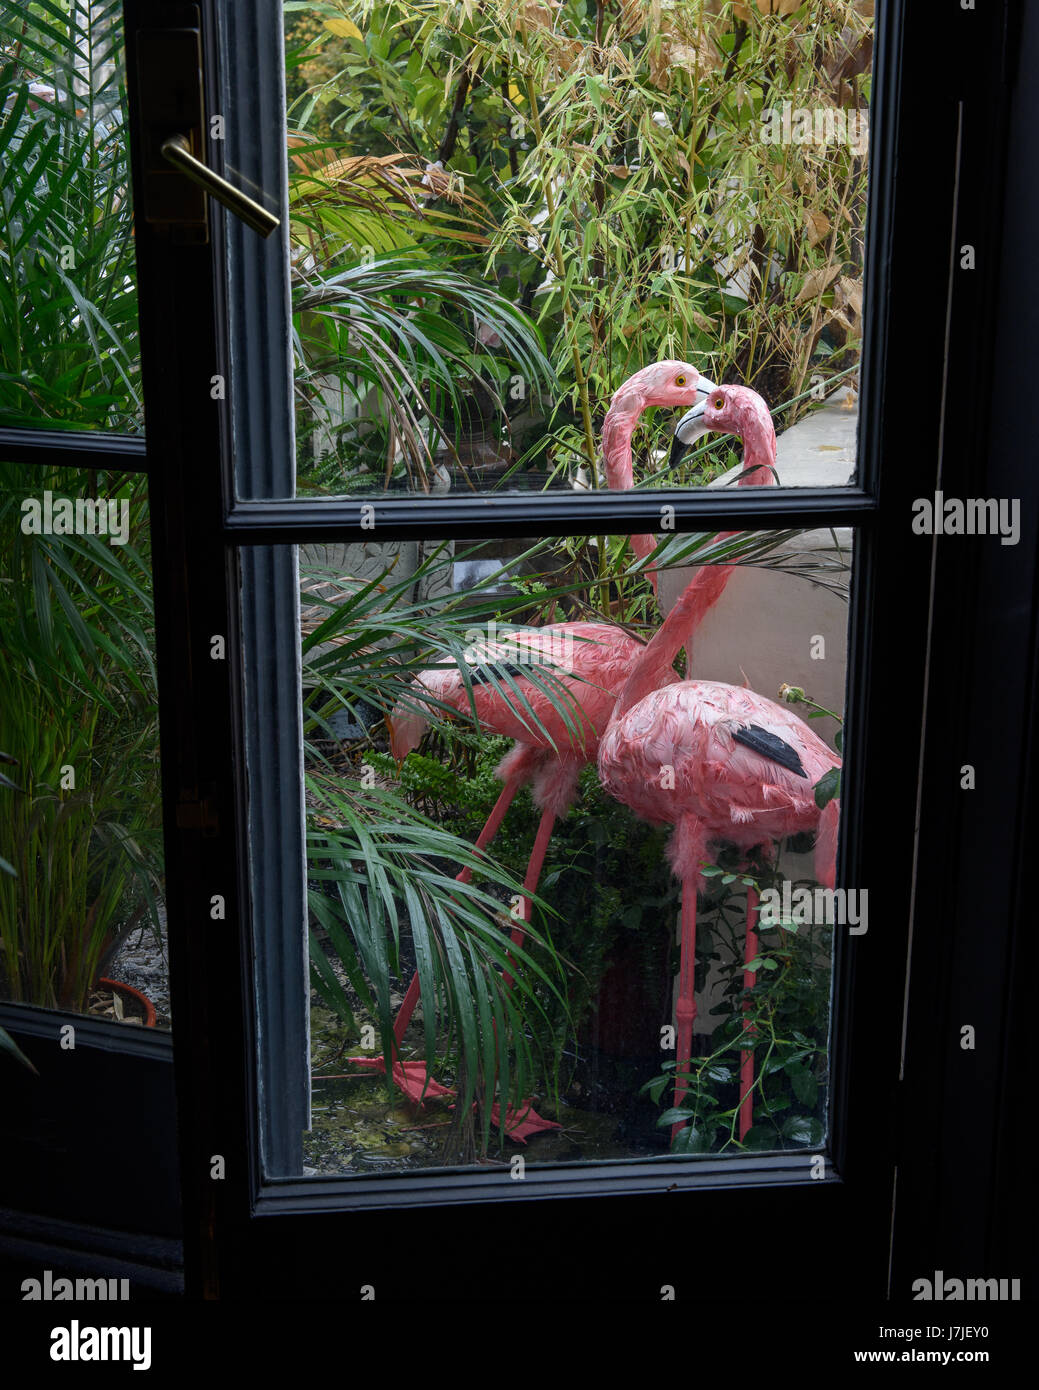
498,218
69,354
563,1014
81,879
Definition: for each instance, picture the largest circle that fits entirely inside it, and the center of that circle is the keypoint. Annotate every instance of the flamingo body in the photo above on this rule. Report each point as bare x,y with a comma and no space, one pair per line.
682,754
585,664
716,761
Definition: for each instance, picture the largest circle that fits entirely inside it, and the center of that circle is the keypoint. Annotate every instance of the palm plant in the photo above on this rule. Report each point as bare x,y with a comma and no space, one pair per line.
384,859
75,613
68,305
390,340
398,339
79,715
7,1043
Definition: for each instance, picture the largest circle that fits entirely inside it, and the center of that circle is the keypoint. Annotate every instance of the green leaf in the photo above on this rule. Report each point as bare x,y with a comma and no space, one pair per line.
803,1129
8,1044
828,786
806,1088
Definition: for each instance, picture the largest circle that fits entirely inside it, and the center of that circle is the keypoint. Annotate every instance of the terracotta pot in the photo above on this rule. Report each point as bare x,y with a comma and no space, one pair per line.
118,986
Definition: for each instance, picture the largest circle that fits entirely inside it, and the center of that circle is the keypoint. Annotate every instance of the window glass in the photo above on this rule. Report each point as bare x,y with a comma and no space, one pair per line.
82,924
69,355
499,213
566,1034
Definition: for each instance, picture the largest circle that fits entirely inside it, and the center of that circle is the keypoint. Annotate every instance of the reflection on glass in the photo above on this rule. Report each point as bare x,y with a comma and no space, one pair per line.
459,700
497,217
68,326
81,881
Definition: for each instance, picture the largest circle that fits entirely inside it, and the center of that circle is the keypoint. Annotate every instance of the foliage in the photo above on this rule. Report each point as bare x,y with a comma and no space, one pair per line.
783,1019
384,862
7,1043
79,716
596,852
75,612
68,304
376,861
637,209
385,351
829,784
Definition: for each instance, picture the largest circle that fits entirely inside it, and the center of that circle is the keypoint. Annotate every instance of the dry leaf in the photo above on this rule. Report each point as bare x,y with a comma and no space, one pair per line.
847,294
780,7
534,15
817,224
815,282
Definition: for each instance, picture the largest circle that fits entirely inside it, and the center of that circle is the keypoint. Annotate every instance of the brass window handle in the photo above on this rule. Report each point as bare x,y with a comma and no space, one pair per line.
177,150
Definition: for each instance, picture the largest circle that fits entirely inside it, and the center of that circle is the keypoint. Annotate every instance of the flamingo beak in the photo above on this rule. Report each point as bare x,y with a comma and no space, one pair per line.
691,427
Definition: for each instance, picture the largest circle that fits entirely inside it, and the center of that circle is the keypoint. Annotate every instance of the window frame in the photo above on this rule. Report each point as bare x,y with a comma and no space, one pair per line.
257,526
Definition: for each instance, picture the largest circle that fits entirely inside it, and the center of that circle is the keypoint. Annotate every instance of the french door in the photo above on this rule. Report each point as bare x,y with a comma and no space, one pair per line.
853,1216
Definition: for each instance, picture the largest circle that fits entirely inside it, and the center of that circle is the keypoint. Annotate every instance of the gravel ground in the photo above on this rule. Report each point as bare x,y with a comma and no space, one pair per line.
142,961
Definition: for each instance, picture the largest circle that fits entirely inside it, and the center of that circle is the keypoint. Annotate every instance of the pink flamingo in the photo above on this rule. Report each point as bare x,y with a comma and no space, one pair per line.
559,733
716,761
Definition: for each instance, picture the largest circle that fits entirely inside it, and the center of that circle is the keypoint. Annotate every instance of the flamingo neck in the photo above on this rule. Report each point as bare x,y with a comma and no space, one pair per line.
702,592
623,416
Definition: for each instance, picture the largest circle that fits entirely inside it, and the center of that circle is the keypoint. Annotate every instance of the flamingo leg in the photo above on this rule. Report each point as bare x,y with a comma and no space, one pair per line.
486,835
523,1120
493,821
535,864
685,1008
412,1076
750,950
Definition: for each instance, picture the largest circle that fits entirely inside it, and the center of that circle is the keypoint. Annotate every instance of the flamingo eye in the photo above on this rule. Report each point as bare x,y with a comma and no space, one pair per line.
680,380
718,402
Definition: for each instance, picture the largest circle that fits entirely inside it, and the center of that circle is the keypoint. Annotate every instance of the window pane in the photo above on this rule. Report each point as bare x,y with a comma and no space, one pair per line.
69,354
495,222
81,883
579,1012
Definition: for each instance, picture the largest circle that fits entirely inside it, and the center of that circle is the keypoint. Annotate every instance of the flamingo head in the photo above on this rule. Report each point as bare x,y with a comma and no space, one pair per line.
665,383
732,410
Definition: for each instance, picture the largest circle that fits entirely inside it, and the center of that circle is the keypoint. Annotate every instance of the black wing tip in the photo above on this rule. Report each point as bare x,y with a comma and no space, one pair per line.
769,745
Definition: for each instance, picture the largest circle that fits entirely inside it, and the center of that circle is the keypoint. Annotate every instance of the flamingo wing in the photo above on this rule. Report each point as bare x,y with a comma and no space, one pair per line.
769,745
570,675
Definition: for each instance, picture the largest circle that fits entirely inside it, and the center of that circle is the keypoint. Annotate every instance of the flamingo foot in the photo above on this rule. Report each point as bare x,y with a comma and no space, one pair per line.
522,1121
411,1077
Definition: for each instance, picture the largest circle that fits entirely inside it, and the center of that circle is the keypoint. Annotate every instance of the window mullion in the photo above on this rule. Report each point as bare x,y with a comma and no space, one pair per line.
269,523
